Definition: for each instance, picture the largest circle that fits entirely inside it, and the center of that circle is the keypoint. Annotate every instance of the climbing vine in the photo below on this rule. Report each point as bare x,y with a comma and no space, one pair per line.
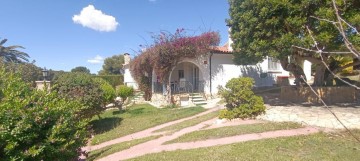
141,70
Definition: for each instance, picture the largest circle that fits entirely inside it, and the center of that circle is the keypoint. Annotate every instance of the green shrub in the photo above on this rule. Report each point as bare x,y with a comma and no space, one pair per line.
114,80
124,92
109,92
241,102
29,71
37,125
80,87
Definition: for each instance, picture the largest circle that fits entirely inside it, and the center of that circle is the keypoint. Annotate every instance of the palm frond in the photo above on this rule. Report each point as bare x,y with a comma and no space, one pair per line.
3,42
11,54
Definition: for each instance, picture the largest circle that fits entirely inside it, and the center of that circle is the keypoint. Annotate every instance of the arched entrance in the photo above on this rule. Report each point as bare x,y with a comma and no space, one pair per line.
186,77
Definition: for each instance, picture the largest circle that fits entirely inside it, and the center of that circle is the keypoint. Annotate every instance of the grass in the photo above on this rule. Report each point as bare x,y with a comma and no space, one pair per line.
234,130
188,123
115,123
100,153
319,146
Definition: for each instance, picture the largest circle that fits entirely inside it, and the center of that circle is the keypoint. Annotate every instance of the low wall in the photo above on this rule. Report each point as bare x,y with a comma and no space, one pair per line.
159,100
329,94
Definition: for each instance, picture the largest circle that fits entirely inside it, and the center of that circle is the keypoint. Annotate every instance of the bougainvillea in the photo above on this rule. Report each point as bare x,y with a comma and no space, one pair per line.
169,49
166,52
141,70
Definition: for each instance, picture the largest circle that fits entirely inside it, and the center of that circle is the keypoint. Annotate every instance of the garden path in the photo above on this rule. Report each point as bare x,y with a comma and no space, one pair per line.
314,115
145,133
311,115
155,145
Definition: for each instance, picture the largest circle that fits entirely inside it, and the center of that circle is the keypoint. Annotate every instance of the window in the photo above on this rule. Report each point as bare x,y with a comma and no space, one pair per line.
273,64
181,74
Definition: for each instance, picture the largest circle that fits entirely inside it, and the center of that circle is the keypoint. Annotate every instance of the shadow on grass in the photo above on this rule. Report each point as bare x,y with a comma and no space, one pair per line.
97,154
118,112
136,111
105,124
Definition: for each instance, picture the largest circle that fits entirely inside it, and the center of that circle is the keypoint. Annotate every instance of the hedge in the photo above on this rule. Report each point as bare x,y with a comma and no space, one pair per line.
114,80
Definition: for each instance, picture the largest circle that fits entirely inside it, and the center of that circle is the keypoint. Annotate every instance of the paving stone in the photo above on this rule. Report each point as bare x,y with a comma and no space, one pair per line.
316,116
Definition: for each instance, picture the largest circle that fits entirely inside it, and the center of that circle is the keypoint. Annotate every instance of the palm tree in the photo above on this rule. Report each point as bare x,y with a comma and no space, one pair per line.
10,54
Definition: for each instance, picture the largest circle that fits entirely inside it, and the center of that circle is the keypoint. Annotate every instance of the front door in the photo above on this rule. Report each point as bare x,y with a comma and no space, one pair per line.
195,76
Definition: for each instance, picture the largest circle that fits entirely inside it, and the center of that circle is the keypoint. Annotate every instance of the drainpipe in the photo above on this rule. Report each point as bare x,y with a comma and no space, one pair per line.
211,54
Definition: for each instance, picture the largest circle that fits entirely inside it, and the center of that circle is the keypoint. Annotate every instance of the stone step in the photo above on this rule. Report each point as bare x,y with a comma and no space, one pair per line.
200,103
198,99
195,97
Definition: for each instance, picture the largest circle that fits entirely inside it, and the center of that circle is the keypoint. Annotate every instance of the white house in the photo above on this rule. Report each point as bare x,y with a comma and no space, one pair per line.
205,74
128,79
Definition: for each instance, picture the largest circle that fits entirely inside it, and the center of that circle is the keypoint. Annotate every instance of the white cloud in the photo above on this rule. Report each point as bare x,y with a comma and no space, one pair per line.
97,60
95,19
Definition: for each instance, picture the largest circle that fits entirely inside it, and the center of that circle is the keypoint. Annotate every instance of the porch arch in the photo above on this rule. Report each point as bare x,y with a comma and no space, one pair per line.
190,71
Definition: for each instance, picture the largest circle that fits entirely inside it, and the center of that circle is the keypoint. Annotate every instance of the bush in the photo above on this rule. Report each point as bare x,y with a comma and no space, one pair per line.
80,87
124,92
29,72
109,93
37,125
114,80
241,102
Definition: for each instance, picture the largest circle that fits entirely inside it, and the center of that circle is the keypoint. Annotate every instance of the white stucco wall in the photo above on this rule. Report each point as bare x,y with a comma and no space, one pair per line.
128,79
307,69
223,69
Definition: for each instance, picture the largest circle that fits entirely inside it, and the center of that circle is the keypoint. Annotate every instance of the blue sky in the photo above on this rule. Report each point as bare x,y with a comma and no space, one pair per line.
63,34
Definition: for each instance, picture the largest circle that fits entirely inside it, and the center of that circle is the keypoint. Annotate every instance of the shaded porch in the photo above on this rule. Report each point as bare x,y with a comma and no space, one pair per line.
184,78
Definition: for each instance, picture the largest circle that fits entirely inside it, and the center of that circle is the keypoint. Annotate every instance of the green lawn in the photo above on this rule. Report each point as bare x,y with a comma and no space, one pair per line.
320,146
188,123
234,130
115,123
100,153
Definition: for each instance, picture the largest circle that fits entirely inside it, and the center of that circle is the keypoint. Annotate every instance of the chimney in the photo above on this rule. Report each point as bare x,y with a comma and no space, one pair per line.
127,58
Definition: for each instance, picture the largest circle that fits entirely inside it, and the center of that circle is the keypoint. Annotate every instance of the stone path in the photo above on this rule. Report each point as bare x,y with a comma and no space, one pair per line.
309,116
144,133
156,145
314,116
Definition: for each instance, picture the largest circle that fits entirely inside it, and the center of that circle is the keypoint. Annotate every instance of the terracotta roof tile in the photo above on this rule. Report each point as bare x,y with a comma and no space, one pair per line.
220,49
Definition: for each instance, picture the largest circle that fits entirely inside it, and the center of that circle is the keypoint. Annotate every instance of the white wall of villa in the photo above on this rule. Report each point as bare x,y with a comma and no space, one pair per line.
223,69
215,69
128,79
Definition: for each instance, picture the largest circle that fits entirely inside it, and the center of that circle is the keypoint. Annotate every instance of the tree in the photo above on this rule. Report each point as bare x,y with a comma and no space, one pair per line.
80,87
108,91
277,28
10,54
29,72
112,65
81,69
37,125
